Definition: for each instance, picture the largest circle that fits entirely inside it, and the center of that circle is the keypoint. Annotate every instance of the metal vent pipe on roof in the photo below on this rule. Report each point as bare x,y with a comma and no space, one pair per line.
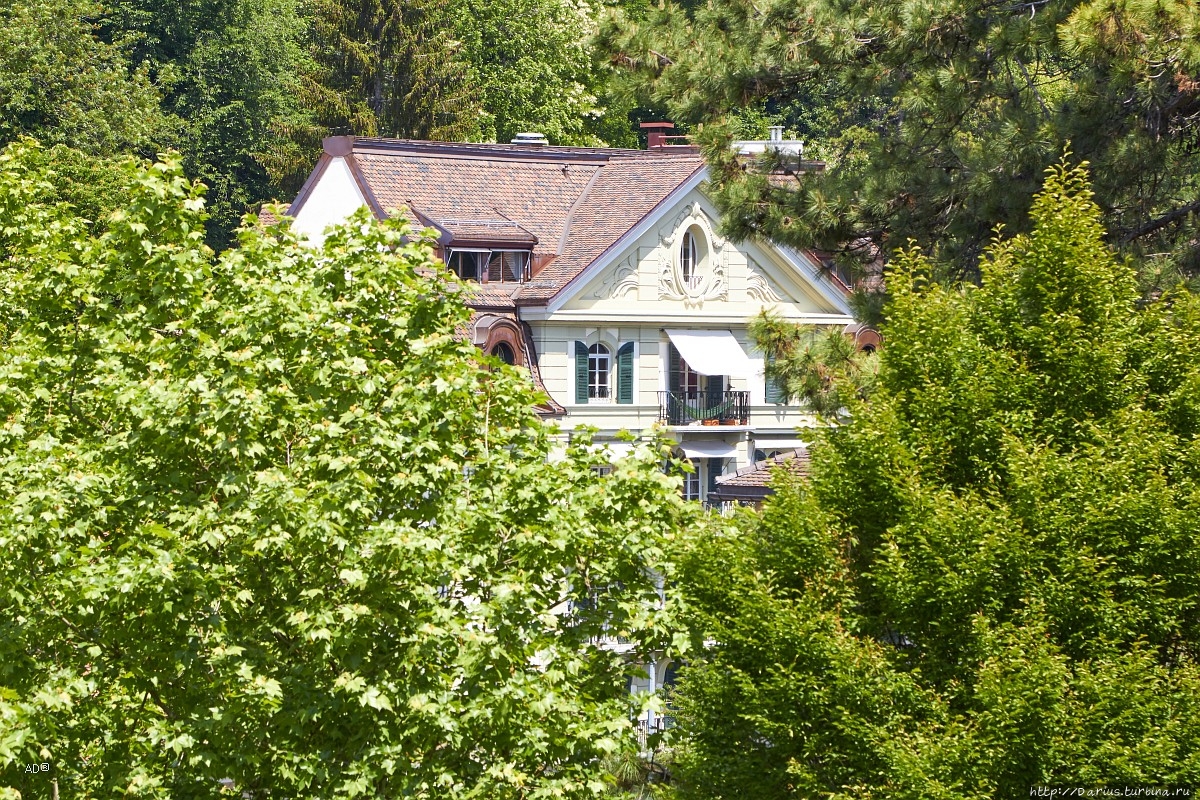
531,138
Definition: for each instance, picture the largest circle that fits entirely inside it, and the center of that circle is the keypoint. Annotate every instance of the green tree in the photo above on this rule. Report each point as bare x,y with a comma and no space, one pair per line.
466,70
61,83
534,63
821,367
231,73
936,119
268,519
992,579
391,68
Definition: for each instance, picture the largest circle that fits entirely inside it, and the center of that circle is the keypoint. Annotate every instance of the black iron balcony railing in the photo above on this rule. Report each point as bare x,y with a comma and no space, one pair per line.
711,408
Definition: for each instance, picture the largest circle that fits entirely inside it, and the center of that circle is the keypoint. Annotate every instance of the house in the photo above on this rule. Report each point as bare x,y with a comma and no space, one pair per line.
751,485
602,271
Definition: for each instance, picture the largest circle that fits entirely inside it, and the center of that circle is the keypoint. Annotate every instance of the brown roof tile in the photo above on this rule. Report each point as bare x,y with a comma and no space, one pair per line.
569,204
625,191
753,482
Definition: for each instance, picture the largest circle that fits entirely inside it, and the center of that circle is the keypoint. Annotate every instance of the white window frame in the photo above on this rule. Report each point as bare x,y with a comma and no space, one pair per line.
599,351
689,261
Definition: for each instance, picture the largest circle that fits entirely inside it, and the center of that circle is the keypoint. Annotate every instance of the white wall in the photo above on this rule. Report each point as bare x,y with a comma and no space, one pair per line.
335,197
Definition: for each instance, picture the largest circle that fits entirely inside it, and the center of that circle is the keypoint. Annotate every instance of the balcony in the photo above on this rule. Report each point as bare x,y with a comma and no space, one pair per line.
705,408
650,730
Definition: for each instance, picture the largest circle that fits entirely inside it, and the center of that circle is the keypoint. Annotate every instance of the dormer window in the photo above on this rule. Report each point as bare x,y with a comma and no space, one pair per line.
489,266
466,264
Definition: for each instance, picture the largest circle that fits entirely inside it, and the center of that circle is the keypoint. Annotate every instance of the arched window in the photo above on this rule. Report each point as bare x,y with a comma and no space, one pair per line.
599,372
505,353
689,258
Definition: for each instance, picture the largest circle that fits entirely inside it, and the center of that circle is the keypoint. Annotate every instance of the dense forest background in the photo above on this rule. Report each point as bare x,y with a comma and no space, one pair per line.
935,120
245,90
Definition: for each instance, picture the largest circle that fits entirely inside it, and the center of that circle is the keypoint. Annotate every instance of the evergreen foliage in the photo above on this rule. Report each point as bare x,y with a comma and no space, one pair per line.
268,519
992,580
390,68
936,119
822,368
245,90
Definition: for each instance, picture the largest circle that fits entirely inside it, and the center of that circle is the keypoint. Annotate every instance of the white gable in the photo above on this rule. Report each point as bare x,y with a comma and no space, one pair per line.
723,280
332,200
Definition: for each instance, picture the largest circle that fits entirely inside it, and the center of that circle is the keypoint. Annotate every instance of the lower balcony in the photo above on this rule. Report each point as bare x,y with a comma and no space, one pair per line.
705,408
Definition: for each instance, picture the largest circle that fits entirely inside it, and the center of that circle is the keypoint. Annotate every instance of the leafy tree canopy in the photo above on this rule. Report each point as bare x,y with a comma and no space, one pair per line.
61,83
936,119
268,519
992,580
230,75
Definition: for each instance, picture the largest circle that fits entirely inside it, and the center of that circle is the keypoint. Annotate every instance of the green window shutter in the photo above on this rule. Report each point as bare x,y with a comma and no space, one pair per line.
581,372
715,465
775,393
625,373
672,368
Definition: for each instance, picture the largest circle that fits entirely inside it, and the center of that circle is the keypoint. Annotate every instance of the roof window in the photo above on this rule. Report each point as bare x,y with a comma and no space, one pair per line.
489,266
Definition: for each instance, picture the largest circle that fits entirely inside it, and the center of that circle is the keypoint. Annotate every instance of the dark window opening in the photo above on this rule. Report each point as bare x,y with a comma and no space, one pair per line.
505,353
465,264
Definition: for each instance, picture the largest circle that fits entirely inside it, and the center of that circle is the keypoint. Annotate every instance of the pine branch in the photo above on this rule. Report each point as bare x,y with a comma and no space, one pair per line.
1160,222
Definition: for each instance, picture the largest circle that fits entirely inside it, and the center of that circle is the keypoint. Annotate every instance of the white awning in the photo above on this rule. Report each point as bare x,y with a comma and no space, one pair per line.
712,353
708,448
778,443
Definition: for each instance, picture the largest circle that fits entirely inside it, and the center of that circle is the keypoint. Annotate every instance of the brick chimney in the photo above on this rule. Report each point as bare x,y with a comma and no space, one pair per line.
656,133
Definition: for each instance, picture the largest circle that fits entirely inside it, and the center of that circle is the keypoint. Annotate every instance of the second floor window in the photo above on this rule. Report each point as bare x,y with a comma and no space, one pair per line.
599,372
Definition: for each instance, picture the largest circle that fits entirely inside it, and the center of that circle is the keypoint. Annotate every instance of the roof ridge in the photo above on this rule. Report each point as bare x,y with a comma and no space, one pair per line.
524,152
587,190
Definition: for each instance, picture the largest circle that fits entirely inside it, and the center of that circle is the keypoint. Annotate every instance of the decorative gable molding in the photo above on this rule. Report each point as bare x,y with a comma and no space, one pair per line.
759,285
671,284
622,282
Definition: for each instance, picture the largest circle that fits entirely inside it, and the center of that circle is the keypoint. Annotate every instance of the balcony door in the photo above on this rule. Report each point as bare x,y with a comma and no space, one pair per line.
686,381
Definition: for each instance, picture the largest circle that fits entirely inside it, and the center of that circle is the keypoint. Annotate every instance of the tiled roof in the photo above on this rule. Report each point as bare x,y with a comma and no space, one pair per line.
488,231
753,482
624,192
569,204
